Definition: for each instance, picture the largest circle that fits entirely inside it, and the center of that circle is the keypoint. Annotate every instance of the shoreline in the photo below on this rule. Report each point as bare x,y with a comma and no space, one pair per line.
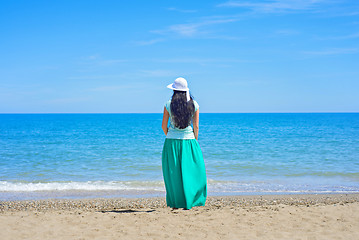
99,204
314,216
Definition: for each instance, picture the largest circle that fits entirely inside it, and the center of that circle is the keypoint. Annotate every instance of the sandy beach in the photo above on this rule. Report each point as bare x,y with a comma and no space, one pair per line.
240,217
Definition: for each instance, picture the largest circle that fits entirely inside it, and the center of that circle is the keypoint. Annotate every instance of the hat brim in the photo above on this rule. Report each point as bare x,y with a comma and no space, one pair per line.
170,86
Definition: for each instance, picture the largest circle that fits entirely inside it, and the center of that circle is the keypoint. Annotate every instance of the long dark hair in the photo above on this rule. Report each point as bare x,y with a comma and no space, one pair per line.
181,110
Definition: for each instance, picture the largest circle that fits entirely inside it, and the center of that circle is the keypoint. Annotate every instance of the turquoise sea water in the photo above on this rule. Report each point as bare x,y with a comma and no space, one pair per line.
119,155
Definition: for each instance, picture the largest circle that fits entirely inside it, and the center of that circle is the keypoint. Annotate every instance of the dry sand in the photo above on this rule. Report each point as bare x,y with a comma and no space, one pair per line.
249,217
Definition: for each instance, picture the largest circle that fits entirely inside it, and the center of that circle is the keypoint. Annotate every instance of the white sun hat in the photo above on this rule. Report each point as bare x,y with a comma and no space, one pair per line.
180,84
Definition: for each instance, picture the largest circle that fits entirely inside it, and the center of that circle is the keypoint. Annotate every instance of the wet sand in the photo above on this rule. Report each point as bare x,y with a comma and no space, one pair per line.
322,216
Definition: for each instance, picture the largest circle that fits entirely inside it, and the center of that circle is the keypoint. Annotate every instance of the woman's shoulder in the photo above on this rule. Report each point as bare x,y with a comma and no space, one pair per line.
168,105
196,106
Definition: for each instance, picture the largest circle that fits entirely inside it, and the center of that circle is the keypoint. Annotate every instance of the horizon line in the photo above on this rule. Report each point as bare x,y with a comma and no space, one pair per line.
161,112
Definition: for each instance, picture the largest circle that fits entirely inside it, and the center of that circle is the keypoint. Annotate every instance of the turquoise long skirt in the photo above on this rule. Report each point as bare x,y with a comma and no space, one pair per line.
184,173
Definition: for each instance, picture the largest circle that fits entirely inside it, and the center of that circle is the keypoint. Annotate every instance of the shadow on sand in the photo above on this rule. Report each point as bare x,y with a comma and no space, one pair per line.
127,211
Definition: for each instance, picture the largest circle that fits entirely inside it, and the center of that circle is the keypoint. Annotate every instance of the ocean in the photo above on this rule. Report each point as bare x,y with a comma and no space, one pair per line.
119,155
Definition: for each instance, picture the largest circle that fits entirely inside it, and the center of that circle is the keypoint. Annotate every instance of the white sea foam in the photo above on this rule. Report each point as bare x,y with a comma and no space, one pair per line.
6,186
214,187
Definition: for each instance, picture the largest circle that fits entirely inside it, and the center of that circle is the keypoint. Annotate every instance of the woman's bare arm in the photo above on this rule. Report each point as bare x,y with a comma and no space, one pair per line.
196,124
166,116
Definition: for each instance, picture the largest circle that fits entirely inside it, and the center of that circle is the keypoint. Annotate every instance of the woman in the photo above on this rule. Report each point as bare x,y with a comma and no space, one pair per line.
183,167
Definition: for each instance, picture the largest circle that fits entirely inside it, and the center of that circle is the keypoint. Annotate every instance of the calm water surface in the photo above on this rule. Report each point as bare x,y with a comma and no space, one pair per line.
107,155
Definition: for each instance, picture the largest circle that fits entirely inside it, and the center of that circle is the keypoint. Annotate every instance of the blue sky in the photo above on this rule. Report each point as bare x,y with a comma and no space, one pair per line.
238,56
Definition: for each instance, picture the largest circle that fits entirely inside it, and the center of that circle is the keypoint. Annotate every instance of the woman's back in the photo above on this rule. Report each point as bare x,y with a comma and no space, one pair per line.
175,132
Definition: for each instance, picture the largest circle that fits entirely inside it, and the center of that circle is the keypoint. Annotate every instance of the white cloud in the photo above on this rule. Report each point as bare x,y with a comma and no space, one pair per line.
95,77
286,32
181,10
97,60
273,6
333,51
200,60
150,42
345,13
349,36
110,88
108,62
186,30
194,29
90,58
246,82
157,73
